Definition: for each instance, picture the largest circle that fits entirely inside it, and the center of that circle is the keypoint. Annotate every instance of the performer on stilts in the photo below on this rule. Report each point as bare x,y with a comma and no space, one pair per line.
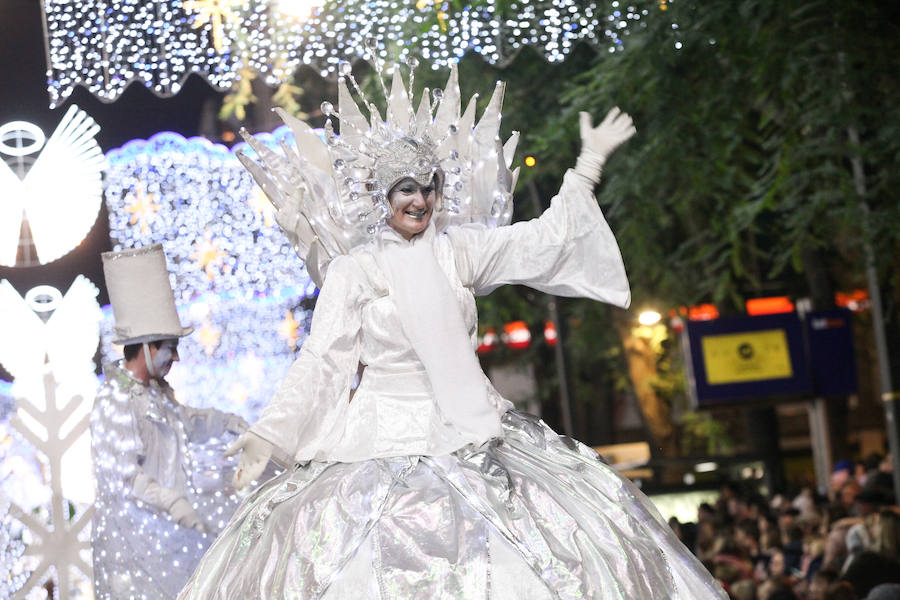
426,484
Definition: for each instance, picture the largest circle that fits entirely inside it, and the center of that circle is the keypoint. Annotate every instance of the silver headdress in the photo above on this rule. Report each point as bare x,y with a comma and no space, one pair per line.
332,196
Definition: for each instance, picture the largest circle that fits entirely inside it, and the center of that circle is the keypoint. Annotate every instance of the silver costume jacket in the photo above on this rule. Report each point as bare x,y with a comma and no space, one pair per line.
148,451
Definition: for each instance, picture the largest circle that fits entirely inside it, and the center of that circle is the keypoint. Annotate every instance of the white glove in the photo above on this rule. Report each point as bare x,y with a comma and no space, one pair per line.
597,143
185,515
254,458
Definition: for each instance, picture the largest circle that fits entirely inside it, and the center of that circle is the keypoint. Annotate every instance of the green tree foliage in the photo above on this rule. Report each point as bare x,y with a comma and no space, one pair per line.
740,176
739,182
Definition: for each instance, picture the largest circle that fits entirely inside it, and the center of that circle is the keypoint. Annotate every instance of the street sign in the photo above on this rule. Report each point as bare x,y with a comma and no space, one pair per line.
770,356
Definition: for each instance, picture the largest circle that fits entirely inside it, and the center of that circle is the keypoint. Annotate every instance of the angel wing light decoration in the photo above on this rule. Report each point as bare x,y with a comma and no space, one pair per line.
69,338
60,194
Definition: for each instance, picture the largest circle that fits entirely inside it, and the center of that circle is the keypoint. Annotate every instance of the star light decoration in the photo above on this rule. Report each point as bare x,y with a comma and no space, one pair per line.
217,14
105,45
233,271
209,256
288,329
142,208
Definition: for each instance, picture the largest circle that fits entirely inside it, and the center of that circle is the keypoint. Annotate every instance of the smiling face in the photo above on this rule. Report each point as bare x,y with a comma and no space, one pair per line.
413,206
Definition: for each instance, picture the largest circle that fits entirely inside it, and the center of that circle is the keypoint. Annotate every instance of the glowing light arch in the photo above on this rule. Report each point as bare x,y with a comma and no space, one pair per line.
235,276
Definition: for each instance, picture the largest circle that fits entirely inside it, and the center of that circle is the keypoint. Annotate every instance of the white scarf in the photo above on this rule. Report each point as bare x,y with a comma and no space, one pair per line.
432,320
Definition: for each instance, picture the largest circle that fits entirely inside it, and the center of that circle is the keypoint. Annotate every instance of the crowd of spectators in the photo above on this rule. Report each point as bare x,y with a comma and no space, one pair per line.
844,545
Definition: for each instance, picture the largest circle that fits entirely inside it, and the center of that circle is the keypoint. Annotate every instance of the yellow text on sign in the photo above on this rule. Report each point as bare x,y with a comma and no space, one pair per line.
750,356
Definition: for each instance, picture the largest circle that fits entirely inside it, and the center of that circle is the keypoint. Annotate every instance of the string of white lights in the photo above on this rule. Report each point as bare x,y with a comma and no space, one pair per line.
12,574
106,45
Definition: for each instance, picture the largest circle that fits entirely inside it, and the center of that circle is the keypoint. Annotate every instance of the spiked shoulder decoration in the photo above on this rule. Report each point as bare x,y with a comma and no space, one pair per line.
332,196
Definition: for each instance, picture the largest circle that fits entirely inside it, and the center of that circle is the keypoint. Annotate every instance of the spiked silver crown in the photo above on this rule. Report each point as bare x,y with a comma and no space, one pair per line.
332,196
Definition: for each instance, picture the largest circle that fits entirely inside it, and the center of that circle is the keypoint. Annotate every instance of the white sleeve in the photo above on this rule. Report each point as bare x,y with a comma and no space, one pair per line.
569,251
315,393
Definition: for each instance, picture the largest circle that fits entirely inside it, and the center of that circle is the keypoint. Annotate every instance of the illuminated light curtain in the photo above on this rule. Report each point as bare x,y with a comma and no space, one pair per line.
13,568
235,276
105,45
12,576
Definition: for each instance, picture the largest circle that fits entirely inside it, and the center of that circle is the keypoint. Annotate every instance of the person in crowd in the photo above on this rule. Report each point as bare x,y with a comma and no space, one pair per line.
876,532
159,499
886,534
792,549
840,474
820,582
777,565
775,588
870,569
848,493
813,556
746,535
769,533
745,589
885,591
836,545
840,590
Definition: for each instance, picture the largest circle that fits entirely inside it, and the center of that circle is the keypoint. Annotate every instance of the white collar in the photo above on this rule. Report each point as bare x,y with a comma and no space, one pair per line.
389,235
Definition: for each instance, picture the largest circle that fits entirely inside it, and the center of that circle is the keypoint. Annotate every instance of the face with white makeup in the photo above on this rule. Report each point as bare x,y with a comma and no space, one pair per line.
151,360
413,205
162,356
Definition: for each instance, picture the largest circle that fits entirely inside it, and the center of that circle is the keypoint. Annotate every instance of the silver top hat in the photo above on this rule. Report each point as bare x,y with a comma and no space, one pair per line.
141,296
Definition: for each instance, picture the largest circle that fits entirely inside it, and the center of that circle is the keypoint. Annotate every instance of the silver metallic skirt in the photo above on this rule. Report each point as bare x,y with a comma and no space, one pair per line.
529,515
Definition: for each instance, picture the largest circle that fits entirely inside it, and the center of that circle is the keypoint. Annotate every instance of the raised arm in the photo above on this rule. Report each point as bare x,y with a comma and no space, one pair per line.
569,250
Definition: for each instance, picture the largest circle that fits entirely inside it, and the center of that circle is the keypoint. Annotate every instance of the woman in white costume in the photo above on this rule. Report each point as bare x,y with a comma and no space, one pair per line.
425,484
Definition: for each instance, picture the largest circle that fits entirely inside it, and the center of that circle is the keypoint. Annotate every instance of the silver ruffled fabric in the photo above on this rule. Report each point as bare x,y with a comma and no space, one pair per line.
528,515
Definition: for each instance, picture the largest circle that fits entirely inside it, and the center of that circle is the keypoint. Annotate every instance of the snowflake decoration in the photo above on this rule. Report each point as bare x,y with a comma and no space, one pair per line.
61,546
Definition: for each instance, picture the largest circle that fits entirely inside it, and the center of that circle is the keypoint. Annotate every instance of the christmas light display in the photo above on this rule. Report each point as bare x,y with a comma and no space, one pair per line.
57,534
13,571
46,324
105,46
58,192
236,278
44,448
12,577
